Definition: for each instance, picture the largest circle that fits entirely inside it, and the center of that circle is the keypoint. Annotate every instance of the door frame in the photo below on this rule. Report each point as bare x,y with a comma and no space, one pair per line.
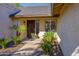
30,29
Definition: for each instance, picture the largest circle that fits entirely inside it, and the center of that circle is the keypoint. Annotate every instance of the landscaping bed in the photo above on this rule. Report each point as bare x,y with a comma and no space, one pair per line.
10,49
50,44
9,45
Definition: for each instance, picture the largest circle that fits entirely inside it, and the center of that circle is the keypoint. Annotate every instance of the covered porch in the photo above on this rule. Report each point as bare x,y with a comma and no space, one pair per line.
36,25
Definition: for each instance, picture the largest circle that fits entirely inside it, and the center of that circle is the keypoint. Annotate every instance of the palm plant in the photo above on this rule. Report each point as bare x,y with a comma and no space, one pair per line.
16,40
4,42
19,30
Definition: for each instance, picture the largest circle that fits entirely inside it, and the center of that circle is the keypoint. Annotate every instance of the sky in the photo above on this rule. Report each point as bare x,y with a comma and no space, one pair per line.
34,4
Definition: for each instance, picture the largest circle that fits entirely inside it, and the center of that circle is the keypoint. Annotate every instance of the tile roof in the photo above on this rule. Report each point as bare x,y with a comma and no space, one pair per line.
35,11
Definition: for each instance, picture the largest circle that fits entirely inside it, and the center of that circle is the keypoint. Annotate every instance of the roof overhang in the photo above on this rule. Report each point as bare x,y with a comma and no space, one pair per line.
56,10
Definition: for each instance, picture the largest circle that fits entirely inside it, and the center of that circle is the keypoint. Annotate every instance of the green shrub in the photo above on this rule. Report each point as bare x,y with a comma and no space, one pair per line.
18,29
21,28
48,37
47,48
47,41
4,42
21,31
16,40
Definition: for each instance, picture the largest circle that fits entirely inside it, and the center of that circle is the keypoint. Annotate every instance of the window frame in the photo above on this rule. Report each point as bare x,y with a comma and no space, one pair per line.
50,24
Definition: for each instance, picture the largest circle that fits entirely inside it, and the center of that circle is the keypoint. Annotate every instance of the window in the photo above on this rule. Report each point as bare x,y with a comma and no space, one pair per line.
36,26
50,25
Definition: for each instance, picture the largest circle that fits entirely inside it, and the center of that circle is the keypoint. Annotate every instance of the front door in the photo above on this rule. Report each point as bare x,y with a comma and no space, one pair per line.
30,28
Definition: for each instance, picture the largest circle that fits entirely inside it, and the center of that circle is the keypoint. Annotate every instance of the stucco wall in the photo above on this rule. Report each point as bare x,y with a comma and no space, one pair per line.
41,27
41,24
68,29
5,21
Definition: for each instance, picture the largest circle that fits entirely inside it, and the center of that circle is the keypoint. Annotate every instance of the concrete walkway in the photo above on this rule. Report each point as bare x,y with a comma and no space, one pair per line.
31,48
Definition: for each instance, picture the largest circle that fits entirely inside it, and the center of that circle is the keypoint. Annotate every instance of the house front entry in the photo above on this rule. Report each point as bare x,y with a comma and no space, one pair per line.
30,28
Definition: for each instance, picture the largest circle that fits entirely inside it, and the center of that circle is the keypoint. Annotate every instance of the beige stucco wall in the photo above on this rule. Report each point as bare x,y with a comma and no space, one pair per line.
68,29
41,27
41,24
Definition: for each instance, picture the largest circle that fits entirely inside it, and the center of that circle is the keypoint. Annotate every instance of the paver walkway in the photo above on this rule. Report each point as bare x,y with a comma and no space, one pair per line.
31,48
